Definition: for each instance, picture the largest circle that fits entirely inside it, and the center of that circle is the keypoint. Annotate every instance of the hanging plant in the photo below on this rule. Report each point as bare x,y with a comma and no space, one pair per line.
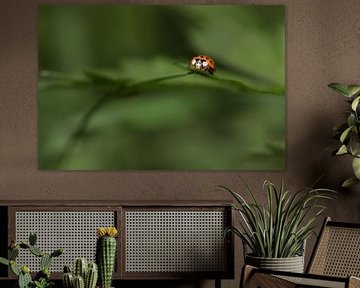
348,133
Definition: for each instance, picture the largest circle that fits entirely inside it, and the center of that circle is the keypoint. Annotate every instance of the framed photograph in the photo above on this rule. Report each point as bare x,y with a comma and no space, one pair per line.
161,87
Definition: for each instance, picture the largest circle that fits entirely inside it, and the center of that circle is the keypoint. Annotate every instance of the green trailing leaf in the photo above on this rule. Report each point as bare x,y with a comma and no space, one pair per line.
356,167
4,261
349,182
353,89
342,150
355,103
340,88
345,134
14,268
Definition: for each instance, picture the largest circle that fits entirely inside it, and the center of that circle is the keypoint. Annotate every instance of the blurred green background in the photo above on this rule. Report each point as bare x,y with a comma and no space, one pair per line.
115,92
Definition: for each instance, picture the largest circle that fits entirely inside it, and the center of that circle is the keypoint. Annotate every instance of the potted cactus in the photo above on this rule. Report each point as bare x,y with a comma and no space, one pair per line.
106,254
84,275
42,278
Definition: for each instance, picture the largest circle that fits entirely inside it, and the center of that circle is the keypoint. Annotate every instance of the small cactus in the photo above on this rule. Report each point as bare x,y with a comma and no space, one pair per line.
68,280
80,268
106,254
79,282
91,276
84,274
24,278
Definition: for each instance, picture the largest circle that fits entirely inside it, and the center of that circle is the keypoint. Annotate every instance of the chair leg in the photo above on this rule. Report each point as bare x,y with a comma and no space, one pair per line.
250,278
246,274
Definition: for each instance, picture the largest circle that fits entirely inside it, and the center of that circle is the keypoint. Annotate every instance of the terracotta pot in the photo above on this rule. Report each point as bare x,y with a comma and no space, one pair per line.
291,264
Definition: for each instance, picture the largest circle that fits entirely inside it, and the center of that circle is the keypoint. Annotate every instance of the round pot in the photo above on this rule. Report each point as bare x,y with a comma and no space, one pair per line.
291,264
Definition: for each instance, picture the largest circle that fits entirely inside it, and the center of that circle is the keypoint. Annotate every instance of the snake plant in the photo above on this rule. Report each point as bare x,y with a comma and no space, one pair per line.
279,228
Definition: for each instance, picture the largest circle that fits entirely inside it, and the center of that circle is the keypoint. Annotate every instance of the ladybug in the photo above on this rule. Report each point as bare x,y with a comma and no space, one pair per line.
202,63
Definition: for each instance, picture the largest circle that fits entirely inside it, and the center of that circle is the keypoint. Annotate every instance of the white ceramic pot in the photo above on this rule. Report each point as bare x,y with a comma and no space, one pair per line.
291,264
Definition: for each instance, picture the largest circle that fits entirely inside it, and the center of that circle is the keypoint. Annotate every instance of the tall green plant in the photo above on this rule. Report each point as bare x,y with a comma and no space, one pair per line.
279,229
348,132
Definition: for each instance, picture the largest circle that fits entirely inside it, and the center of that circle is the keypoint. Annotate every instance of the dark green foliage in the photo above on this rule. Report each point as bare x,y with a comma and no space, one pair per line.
105,259
42,283
32,239
348,133
44,273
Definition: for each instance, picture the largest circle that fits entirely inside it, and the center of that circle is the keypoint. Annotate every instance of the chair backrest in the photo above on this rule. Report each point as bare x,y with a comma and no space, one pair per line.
337,251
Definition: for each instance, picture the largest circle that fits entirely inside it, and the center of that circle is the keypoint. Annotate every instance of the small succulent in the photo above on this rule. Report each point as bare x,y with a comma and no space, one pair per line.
42,278
348,133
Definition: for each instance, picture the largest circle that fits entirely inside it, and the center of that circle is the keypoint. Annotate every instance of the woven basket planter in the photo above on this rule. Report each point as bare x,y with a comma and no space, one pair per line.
291,264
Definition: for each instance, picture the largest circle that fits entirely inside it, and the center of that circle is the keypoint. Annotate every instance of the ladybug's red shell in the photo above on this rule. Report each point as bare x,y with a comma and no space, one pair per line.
203,63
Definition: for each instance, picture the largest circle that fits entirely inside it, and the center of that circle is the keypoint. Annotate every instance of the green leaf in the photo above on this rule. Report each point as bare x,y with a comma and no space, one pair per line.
349,182
355,103
14,268
356,167
353,89
340,88
351,120
342,150
4,261
345,134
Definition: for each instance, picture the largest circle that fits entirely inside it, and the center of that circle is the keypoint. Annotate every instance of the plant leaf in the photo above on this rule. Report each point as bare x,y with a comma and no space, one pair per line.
340,88
345,134
342,150
355,103
356,167
4,261
349,182
353,89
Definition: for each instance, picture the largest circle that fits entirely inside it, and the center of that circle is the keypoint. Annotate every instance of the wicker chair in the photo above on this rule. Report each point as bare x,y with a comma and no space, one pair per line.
334,263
